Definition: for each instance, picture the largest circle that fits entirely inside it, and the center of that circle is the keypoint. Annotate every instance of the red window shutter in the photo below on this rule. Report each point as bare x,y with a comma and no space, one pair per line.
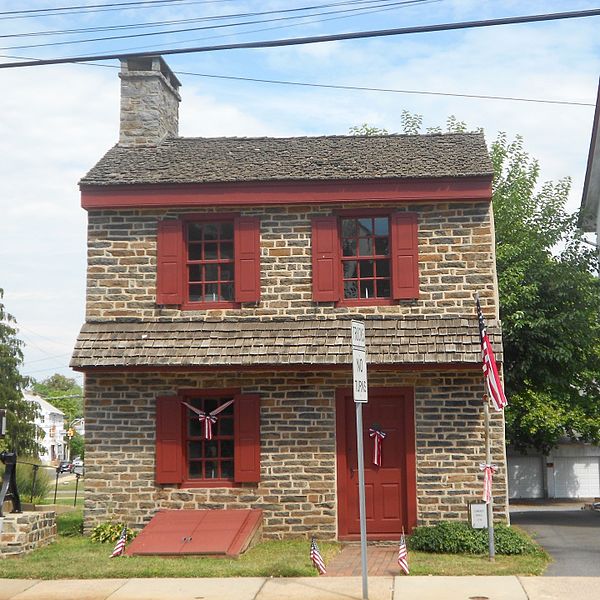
169,445
169,262
247,259
405,256
247,438
325,259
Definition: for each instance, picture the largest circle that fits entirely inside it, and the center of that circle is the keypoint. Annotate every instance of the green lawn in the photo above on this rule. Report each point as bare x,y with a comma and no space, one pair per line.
75,556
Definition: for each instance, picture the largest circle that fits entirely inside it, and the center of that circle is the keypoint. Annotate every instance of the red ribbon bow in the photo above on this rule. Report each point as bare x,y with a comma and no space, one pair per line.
488,472
208,419
378,437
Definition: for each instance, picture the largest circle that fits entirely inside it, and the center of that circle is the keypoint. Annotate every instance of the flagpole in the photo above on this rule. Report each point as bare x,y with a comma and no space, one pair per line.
488,461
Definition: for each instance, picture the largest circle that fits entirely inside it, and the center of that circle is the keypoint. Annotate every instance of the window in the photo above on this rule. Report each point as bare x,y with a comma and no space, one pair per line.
365,258
206,261
184,455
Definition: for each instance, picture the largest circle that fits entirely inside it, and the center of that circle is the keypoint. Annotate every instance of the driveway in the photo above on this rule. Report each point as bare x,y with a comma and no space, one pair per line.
570,534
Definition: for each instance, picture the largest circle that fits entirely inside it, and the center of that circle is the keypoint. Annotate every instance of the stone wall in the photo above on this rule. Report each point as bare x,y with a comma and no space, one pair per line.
456,246
297,491
27,531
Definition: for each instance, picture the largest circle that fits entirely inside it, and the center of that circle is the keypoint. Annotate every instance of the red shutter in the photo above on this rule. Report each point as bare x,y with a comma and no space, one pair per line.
169,262
247,438
405,256
247,259
169,450
325,259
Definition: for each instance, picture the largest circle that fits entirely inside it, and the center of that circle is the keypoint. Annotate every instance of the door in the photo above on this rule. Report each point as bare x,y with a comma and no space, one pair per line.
525,477
390,489
577,477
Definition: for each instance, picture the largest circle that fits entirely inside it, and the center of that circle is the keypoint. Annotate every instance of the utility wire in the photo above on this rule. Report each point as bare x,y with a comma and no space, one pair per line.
319,39
209,27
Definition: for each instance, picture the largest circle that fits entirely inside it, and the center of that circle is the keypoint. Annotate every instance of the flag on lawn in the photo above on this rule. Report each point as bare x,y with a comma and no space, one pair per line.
403,555
316,558
120,545
490,370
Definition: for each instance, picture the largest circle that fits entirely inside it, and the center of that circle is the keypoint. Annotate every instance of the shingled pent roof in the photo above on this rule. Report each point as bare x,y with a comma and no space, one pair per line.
269,343
219,160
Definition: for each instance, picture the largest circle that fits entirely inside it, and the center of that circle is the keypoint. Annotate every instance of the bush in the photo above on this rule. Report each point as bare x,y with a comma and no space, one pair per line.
25,480
461,538
110,532
70,524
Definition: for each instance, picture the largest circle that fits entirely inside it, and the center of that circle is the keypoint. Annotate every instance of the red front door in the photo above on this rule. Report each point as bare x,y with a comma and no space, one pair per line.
390,489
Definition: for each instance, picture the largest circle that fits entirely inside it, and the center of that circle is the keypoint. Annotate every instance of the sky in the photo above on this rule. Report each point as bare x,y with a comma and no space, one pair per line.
57,121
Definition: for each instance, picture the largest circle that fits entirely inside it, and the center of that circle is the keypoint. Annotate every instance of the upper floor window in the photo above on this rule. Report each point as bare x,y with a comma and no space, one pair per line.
208,261
362,258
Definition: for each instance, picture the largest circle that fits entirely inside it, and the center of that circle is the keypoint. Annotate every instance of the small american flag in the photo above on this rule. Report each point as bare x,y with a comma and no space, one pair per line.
120,545
490,370
316,558
403,555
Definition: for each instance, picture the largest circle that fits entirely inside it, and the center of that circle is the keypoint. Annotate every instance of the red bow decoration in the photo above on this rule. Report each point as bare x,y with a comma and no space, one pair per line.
378,437
488,472
208,419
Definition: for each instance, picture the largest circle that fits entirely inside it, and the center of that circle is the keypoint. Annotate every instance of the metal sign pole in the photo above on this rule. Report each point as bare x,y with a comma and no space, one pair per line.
360,393
488,461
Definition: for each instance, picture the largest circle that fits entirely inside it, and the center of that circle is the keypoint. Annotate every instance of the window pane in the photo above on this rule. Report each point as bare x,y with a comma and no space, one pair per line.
349,247
366,268
227,448
227,291
383,288
194,232
211,448
210,404
365,227
365,246
195,293
225,426
383,268
195,273
195,450
367,289
210,231
226,273
381,226
211,469
348,228
350,289
211,292
195,251
195,427
226,250
195,470
211,273
350,269
210,251
226,231
382,246
227,469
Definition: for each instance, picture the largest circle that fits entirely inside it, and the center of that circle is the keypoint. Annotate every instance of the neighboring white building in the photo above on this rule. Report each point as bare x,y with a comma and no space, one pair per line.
572,470
52,421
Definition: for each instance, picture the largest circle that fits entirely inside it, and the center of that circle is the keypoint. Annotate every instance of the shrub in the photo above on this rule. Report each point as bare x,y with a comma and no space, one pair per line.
70,524
25,480
460,538
110,532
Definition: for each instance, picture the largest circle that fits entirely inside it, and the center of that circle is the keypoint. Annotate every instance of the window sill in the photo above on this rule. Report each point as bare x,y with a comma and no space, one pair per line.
209,305
368,302
207,483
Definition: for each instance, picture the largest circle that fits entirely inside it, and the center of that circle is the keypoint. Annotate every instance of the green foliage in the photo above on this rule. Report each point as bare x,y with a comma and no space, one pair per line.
25,483
62,392
110,532
77,446
366,129
22,432
460,538
70,524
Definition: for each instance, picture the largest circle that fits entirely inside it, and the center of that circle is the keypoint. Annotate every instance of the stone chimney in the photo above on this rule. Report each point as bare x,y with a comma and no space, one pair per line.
149,101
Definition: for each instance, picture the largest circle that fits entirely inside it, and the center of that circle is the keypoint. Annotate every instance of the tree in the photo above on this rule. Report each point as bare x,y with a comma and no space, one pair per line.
62,392
549,301
20,422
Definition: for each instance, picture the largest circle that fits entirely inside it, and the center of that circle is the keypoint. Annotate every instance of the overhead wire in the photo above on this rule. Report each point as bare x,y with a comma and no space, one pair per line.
317,39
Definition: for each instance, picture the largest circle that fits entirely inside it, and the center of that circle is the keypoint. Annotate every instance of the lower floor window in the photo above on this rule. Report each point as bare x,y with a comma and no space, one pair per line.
210,458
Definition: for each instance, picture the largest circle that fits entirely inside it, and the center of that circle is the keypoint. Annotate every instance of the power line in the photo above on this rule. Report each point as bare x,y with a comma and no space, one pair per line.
319,39
381,4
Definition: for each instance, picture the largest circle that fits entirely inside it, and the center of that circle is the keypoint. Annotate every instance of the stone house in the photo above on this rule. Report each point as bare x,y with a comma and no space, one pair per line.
223,275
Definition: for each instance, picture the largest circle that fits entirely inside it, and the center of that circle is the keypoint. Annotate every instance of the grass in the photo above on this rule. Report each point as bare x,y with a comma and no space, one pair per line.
74,556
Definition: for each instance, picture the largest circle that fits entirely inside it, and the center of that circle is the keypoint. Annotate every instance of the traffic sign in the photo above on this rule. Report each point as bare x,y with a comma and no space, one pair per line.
359,363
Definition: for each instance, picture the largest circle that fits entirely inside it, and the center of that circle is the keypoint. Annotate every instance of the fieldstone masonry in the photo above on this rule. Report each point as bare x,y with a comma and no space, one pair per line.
297,491
23,532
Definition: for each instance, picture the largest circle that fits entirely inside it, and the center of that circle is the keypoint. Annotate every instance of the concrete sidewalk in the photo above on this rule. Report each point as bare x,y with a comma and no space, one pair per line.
306,588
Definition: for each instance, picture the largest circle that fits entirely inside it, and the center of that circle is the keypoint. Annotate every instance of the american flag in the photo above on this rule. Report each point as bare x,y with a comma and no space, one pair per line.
120,545
316,558
490,370
403,555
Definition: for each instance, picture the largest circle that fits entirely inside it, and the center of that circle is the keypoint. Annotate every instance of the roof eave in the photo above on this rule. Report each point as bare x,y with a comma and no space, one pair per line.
588,216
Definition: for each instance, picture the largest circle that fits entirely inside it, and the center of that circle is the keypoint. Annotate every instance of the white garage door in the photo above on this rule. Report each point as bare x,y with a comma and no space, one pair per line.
577,477
525,477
